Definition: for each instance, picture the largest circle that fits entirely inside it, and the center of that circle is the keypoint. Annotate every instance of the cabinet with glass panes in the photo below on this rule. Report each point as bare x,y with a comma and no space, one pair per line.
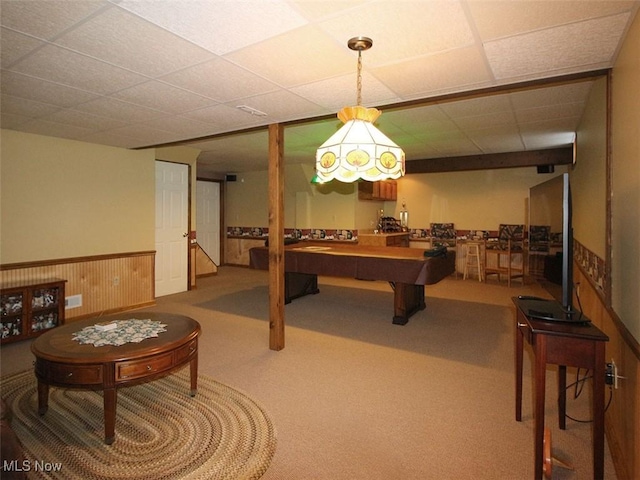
29,308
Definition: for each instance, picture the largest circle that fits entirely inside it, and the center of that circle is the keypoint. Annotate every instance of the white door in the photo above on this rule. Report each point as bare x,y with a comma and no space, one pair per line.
172,231
208,218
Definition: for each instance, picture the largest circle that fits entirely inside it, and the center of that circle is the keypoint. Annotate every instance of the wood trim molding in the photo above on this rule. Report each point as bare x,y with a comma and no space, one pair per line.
61,261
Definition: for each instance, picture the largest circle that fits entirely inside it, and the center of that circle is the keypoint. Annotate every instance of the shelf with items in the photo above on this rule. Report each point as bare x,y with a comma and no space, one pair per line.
30,308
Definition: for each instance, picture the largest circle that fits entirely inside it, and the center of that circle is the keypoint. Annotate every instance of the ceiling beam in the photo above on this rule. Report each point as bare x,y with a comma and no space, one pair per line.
533,158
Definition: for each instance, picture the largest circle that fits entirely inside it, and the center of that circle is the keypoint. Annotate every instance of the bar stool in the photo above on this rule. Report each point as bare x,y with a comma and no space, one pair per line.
510,247
473,260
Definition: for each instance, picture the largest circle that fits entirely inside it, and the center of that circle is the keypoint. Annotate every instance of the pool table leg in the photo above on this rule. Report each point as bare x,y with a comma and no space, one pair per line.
407,300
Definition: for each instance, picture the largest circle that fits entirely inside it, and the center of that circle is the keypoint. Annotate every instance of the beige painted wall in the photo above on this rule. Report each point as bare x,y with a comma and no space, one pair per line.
306,206
474,200
247,200
625,157
589,175
63,198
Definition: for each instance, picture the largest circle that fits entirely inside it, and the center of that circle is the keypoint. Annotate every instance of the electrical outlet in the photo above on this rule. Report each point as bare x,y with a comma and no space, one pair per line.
608,374
611,374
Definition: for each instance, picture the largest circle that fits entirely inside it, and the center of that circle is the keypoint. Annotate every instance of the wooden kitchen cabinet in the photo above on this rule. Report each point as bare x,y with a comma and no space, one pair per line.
382,190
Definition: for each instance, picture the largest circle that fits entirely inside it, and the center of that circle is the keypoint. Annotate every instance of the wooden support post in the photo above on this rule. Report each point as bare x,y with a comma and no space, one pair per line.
276,237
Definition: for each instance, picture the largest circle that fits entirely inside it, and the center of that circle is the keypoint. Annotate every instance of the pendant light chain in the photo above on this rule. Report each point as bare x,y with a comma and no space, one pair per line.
359,81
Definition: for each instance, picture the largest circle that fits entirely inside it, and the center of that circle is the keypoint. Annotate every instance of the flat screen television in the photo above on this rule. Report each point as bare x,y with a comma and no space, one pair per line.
550,208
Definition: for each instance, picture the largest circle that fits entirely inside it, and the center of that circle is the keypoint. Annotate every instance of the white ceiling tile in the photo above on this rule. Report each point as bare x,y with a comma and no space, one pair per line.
498,19
292,58
45,18
477,106
72,69
555,49
338,92
408,29
555,124
83,119
319,10
473,122
533,115
219,26
110,138
220,80
554,95
310,134
26,107
417,115
542,140
123,39
144,135
14,46
224,118
162,97
282,105
43,91
454,146
421,128
419,151
497,139
427,76
52,129
436,136
289,58
181,126
13,121
228,145
112,108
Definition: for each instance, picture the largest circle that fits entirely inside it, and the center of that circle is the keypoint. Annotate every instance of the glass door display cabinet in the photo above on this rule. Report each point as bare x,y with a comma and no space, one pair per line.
30,308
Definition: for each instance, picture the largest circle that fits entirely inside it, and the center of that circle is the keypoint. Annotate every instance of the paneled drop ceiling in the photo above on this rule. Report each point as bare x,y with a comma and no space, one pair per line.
141,73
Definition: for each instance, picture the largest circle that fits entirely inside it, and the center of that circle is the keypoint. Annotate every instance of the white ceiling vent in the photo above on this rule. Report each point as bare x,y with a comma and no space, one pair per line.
252,111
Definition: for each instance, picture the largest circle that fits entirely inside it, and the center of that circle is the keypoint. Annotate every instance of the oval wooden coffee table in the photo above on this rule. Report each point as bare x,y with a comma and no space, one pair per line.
62,361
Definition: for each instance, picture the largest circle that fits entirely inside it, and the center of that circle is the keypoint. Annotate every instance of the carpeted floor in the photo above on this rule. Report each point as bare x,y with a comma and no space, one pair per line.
161,432
353,396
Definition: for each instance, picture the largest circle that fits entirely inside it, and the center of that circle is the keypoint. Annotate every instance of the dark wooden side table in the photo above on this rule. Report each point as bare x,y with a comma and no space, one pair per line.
63,362
562,344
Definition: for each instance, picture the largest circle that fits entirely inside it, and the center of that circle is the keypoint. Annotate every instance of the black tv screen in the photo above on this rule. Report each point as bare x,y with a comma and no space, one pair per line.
550,211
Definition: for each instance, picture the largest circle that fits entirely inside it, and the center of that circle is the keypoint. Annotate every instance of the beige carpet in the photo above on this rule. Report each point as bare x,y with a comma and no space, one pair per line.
355,397
161,432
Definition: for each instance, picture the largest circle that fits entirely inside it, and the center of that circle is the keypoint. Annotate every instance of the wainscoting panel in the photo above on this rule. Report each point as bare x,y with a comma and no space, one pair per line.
621,418
107,283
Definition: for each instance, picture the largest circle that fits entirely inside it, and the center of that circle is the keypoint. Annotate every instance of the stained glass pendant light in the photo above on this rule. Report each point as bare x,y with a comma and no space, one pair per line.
359,150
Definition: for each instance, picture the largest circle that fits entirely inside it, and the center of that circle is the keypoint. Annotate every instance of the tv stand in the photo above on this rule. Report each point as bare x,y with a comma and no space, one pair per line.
560,343
550,311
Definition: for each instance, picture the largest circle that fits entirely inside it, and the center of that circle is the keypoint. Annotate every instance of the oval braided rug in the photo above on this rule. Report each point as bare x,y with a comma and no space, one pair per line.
161,432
